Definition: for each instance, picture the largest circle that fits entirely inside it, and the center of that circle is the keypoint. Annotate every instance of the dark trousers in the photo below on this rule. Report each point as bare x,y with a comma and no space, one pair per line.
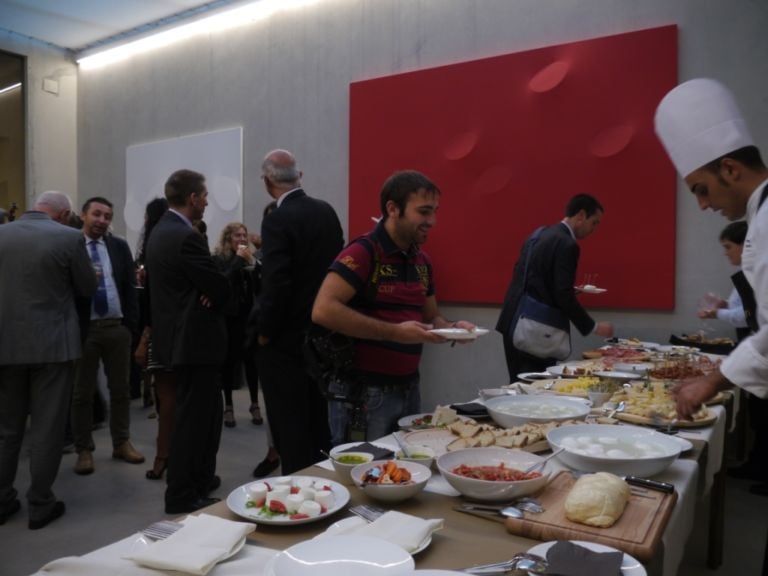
42,392
196,434
297,413
108,342
519,361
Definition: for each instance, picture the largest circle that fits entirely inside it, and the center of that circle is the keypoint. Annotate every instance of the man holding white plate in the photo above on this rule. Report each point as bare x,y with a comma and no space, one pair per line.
544,274
380,292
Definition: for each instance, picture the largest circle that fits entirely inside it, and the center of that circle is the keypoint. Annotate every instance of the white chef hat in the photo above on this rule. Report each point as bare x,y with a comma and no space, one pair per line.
699,121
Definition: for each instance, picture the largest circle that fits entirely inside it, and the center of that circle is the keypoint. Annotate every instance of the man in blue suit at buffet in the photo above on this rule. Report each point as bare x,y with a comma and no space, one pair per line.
43,267
707,139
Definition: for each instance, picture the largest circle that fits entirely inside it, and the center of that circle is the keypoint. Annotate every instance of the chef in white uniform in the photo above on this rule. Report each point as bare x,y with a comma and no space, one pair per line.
707,140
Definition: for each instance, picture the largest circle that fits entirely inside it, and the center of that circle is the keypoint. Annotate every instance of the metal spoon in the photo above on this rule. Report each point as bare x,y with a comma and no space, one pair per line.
406,452
524,561
541,463
508,511
619,408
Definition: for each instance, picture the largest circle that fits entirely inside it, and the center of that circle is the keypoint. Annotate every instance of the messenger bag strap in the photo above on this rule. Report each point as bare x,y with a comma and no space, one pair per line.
532,239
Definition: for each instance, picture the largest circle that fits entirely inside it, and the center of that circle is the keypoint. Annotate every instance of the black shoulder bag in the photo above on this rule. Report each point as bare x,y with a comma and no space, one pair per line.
329,356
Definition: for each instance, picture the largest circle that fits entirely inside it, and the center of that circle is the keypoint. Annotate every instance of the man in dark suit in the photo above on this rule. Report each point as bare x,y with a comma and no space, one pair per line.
554,258
113,323
43,266
300,239
187,292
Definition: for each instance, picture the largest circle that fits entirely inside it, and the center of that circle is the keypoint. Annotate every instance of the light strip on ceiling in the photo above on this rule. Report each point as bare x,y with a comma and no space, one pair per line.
235,17
9,88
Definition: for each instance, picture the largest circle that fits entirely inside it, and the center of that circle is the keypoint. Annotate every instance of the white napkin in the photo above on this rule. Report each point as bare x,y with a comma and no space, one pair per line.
197,547
251,560
408,532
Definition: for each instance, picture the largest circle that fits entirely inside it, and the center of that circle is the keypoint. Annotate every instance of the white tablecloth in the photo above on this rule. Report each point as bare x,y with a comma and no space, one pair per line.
108,561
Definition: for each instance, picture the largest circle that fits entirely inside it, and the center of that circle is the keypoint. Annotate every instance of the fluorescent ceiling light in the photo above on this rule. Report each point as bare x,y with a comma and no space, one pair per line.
9,88
235,17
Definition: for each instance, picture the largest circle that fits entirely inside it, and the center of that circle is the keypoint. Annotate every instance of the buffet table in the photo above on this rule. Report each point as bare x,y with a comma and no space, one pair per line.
467,540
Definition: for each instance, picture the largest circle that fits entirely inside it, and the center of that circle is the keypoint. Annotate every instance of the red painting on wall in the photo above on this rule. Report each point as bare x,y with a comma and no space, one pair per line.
509,139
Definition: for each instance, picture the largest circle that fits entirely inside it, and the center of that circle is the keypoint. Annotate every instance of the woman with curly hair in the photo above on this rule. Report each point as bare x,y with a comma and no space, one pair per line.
235,258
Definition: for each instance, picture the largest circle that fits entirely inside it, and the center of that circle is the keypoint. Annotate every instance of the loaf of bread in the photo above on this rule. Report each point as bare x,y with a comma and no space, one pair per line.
597,500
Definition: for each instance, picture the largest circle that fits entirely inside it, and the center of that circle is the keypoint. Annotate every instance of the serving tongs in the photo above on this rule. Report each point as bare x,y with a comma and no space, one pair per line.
524,562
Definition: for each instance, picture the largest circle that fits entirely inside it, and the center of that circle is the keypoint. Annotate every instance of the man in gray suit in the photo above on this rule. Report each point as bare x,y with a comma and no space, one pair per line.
43,265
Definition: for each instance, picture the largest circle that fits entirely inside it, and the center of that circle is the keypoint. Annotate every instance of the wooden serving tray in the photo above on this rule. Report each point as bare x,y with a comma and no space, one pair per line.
638,531
634,419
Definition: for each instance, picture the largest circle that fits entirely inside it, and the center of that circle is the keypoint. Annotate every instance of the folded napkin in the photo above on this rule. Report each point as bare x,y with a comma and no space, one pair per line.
408,532
472,409
252,560
569,559
197,547
378,452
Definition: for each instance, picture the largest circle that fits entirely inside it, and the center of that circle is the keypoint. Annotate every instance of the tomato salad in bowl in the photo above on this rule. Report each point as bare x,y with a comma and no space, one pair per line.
492,474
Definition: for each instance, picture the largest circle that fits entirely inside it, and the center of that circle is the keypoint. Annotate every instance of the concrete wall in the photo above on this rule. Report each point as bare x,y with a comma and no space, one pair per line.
286,82
51,158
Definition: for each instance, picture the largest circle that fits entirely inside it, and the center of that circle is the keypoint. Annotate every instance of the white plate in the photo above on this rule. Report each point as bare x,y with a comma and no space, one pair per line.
406,422
558,369
639,367
627,343
616,375
532,376
346,555
630,566
435,438
594,290
236,502
460,333
674,349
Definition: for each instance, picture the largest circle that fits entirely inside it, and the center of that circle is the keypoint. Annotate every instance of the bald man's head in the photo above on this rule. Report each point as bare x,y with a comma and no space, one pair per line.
279,168
56,204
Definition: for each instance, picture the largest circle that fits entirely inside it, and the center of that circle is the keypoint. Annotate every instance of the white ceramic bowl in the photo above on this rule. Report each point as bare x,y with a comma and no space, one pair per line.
419,454
489,490
488,393
598,398
343,469
420,474
511,411
345,555
577,437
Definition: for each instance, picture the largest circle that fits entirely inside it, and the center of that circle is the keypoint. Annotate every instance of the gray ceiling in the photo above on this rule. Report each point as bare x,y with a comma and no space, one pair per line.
76,25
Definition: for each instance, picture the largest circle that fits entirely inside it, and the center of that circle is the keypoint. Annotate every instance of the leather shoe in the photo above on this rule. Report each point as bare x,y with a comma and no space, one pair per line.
215,483
84,463
266,467
191,506
57,511
128,453
746,471
10,511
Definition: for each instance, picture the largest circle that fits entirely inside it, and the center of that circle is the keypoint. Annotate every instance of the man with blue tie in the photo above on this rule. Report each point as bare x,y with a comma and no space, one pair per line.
113,313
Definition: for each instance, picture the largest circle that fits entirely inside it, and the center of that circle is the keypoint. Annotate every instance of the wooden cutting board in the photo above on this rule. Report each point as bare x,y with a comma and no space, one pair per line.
637,532
635,419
